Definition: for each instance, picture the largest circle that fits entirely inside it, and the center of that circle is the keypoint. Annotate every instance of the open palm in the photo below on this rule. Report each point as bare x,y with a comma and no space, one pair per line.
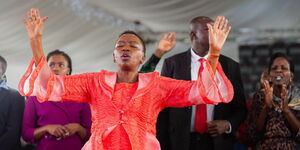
218,34
268,92
35,24
167,42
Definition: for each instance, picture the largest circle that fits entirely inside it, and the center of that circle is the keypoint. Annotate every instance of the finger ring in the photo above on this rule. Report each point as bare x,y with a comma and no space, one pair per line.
67,134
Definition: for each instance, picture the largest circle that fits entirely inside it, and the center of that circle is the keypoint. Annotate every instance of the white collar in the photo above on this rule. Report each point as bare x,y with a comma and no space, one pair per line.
3,85
195,57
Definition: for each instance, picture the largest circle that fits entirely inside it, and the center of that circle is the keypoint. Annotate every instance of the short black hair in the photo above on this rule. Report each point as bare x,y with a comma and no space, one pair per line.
2,60
134,33
282,55
59,52
202,19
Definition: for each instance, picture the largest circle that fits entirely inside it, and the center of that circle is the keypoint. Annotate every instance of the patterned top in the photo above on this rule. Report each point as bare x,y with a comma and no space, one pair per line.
278,134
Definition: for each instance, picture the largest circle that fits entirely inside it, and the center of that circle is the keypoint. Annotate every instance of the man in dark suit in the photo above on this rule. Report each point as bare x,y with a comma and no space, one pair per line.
11,113
176,126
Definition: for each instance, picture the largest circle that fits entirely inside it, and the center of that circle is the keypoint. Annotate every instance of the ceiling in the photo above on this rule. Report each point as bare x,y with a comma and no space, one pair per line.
87,29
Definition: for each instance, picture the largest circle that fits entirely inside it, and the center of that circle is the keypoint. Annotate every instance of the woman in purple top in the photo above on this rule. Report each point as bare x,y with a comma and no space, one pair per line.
57,125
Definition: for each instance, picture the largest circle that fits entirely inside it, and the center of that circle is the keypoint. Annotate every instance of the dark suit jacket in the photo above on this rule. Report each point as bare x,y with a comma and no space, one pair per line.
173,125
11,114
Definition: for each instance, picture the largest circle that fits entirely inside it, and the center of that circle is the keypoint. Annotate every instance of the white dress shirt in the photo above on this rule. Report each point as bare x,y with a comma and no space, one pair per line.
195,65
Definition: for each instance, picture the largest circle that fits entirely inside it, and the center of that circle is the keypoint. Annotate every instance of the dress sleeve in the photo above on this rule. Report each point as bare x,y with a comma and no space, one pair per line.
29,120
150,65
208,89
39,81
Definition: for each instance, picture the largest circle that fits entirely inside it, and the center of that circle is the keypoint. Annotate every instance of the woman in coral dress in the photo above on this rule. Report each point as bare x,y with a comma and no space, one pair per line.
125,104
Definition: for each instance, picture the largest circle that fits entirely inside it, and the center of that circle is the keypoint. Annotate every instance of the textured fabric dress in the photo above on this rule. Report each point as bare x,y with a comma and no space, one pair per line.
127,118
38,114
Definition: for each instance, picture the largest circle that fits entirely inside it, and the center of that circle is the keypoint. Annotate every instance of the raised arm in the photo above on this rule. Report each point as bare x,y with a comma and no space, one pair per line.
35,26
165,44
207,89
218,34
39,80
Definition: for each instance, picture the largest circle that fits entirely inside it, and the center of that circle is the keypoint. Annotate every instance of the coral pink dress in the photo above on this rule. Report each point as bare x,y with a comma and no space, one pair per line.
124,115
118,139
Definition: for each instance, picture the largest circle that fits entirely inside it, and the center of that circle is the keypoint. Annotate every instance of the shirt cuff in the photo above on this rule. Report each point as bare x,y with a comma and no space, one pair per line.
150,65
229,130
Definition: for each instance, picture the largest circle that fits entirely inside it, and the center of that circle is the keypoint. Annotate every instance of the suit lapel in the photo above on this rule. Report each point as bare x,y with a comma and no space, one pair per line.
223,64
186,65
185,72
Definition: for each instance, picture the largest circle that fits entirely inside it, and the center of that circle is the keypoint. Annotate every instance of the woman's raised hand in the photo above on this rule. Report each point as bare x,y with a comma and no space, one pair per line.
34,23
165,44
218,34
268,92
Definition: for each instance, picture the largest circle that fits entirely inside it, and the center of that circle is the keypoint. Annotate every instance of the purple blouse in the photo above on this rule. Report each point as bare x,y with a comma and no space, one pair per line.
38,114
